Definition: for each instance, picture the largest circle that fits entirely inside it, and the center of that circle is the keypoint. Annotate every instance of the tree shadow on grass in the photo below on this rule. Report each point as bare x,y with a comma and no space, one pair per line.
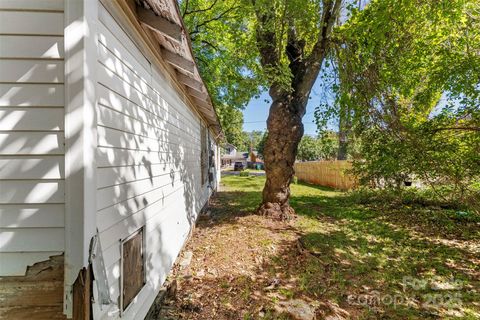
368,261
370,255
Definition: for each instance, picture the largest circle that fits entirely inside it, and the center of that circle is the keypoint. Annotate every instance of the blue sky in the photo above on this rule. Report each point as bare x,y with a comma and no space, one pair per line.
256,113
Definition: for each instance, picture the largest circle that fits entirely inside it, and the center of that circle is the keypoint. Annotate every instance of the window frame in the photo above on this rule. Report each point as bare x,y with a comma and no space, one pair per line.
204,154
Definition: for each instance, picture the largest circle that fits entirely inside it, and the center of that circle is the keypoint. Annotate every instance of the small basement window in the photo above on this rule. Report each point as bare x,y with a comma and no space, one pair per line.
133,267
203,153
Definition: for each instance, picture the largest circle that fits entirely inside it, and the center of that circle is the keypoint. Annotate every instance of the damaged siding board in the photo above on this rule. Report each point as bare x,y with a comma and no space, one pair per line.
11,260
38,294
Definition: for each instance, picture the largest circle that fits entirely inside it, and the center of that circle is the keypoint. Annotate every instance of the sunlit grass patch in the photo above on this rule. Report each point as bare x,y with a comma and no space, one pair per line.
398,252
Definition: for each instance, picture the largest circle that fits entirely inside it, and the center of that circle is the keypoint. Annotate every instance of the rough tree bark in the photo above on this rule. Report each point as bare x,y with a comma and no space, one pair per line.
285,130
284,123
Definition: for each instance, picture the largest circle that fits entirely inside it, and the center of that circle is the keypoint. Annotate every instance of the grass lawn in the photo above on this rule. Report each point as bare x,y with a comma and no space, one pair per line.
346,258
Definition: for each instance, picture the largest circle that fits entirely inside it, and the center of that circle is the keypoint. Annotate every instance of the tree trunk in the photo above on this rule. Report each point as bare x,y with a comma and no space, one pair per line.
342,145
285,130
343,132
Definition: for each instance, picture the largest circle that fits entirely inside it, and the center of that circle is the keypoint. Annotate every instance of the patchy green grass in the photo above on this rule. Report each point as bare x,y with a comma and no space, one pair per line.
377,258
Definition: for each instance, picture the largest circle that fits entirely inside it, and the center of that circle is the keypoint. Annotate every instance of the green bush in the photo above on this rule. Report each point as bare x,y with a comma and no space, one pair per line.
295,180
244,174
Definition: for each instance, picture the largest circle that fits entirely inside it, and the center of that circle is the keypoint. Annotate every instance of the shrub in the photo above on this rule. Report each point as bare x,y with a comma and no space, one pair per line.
244,174
394,197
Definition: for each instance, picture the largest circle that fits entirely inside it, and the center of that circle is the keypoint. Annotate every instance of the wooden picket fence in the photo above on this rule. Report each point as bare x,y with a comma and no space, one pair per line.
326,173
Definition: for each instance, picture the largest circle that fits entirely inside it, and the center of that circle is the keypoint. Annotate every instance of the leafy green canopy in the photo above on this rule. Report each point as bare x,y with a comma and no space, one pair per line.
409,75
219,34
249,140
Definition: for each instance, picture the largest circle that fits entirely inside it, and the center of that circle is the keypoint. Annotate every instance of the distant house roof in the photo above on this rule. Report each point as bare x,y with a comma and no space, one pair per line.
229,145
237,156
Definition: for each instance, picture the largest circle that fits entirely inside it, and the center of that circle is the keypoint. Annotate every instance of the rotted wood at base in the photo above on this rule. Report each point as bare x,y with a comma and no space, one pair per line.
32,313
36,295
82,295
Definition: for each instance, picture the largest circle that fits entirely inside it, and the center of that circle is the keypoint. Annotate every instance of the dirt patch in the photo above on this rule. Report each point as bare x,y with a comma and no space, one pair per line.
229,270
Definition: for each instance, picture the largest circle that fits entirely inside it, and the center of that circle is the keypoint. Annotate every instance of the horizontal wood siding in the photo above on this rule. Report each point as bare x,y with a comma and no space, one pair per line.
31,47
37,143
31,95
31,136
148,161
34,5
28,22
36,71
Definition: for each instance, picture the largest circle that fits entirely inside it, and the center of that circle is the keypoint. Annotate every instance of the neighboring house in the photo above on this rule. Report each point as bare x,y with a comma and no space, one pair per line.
254,156
109,149
230,149
249,159
255,160
231,156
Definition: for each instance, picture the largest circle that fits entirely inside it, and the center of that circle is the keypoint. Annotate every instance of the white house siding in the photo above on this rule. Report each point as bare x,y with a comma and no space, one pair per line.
148,162
31,133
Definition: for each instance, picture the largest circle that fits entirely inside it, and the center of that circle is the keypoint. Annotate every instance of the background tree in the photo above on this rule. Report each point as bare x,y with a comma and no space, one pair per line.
329,145
255,138
261,143
217,32
308,149
323,147
410,73
232,124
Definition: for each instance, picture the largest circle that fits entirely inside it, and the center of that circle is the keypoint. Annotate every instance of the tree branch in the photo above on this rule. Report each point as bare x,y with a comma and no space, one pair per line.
456,128
330,12
186,12
206,22
208,43
266,40
294,50
185,9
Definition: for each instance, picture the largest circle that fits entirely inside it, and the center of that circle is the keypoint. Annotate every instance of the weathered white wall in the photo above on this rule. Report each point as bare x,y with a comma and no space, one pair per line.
31,133
148,162
148,155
